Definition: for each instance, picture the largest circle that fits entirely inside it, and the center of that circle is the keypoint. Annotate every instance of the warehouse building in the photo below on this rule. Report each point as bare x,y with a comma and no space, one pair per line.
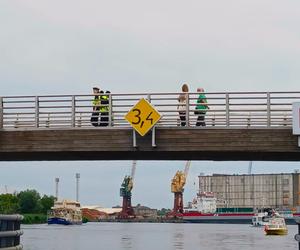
254,191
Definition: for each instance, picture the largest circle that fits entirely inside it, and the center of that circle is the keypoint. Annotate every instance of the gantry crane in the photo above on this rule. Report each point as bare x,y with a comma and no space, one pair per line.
125,193
177,187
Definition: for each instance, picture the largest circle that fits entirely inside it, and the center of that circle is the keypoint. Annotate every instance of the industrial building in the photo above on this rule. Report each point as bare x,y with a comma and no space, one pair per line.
280,191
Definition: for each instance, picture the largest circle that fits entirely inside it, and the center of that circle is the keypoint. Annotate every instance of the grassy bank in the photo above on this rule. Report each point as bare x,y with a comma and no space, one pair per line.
34,219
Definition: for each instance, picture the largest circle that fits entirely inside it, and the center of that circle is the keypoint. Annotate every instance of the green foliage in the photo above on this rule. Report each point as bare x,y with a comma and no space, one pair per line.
163,212
9,204
47,202
34,219
85,220
29,201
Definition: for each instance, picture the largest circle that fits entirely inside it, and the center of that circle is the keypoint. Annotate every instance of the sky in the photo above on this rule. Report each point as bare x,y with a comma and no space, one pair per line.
67,47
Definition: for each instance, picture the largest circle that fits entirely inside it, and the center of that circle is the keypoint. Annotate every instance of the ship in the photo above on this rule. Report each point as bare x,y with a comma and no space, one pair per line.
203,209
65,212
276,226
263,217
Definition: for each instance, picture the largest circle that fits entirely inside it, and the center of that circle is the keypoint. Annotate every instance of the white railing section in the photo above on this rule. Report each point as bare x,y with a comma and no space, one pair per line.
232,109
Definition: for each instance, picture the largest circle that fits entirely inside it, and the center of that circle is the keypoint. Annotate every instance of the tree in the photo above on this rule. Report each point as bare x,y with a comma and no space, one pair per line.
9,204
29,201
47,202
163,211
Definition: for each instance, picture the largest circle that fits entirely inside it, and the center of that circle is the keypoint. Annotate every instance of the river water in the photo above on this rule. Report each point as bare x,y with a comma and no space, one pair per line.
152,236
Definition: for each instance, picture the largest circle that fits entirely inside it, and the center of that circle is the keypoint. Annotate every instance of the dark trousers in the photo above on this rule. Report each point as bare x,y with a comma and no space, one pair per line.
104,119
200,119
95,118
182,116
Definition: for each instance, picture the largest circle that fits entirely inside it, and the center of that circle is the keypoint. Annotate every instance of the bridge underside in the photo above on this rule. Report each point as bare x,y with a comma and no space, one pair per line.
277,144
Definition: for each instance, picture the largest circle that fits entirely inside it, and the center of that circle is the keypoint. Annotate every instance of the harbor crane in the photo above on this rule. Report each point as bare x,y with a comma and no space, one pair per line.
177,187
125,193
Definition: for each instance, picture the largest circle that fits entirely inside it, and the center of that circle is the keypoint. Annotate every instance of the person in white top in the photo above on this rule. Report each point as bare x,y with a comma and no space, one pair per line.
182,104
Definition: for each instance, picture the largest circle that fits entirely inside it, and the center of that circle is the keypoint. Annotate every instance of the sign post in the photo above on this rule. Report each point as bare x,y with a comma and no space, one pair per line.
296,120
142,117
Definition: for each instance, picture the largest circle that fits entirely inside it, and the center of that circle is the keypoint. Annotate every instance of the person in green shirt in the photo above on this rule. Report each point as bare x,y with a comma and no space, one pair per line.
201,107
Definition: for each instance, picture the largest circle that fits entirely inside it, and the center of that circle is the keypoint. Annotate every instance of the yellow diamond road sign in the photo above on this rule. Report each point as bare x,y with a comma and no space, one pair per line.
143,116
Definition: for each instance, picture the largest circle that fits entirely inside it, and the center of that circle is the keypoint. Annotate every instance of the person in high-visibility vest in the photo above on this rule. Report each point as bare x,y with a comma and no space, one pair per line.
96,107
104,109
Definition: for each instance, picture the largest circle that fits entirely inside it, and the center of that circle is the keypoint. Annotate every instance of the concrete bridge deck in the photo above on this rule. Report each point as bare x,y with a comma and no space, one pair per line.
171,144
239,126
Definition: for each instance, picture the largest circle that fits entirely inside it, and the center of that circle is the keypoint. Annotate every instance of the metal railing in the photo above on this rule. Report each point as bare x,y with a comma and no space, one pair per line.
226,109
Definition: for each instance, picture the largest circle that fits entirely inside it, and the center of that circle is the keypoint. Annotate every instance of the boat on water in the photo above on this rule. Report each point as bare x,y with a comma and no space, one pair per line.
263,216
203,209
65,212
276,226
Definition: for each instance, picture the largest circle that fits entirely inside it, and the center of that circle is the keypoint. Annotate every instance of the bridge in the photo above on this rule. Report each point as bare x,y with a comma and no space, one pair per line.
239,126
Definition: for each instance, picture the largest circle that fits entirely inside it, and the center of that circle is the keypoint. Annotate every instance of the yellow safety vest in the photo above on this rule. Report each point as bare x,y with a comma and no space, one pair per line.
104,108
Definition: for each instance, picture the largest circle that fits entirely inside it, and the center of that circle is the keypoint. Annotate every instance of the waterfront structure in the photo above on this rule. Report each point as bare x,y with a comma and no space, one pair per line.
242,192
145,212
239,126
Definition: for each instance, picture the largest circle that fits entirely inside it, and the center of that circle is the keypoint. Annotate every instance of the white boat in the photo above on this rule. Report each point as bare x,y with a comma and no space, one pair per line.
65,212
263,216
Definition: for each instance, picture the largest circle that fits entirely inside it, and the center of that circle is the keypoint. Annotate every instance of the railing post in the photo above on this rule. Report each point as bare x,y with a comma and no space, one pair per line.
285,119
268,110
48,121
79,121
1,112
153,129
249,120
227,110
187,112
109,110
73,111
37,111
16,121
